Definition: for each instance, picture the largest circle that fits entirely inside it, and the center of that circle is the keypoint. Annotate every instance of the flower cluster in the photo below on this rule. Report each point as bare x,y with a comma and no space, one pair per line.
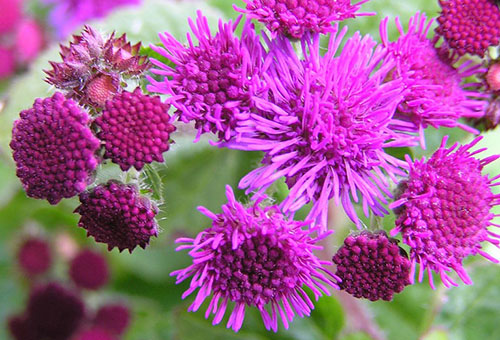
59,143
59,311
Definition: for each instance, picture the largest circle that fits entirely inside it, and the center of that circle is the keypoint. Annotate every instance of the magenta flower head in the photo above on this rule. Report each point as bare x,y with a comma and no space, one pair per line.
436,95
89,270
34,256
294,18
54,149
66,15
254,257
490,85
135,129
443,210
116,214
54,312
372,266
469,26
212,82
113,317
324,126
93,67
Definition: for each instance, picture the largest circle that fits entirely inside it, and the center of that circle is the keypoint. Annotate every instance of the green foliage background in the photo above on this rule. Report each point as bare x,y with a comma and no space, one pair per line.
195,174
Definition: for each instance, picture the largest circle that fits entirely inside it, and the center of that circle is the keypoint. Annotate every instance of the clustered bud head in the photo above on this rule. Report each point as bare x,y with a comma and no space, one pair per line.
113,317
93,67
54,149
135,129
254,256
443,210
469,26
294,18
372,266
116,214
89,270
34,256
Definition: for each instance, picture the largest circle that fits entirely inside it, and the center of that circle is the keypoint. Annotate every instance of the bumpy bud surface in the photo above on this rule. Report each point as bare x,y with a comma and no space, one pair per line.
135,129
372,266
54,149
117,215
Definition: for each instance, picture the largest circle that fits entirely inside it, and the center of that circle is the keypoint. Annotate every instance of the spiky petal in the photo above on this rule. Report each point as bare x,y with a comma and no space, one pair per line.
437,94
443,210
212,82
254,256
324,126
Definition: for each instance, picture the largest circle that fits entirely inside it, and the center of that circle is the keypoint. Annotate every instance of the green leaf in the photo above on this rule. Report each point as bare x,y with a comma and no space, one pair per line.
328,316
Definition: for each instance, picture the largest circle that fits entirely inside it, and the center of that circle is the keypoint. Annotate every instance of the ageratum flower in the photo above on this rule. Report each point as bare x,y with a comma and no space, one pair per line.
324,126
66,15
116,214
93,67
469,26
54,149
294,18
113,317
34,256
212,82
372,266
254,257
54,312
437,95
443,211
135,129
89,270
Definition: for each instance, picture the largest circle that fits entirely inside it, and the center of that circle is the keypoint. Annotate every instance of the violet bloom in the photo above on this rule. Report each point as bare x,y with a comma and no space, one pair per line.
135,129
212,82
469,26
294,18
324,126
372,266
437,95
116,214
54,149
253,256
443,211
66,15
490,85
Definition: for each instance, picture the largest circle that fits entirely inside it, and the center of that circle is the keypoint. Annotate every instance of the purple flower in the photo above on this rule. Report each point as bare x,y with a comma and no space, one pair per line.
54,149
294,18
372,266
212,82
443,210
324,126
254,256
113,317
469,26
66,15
34,256
436,96
135,129
94,333
53,312
117,215
490,85
89,270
